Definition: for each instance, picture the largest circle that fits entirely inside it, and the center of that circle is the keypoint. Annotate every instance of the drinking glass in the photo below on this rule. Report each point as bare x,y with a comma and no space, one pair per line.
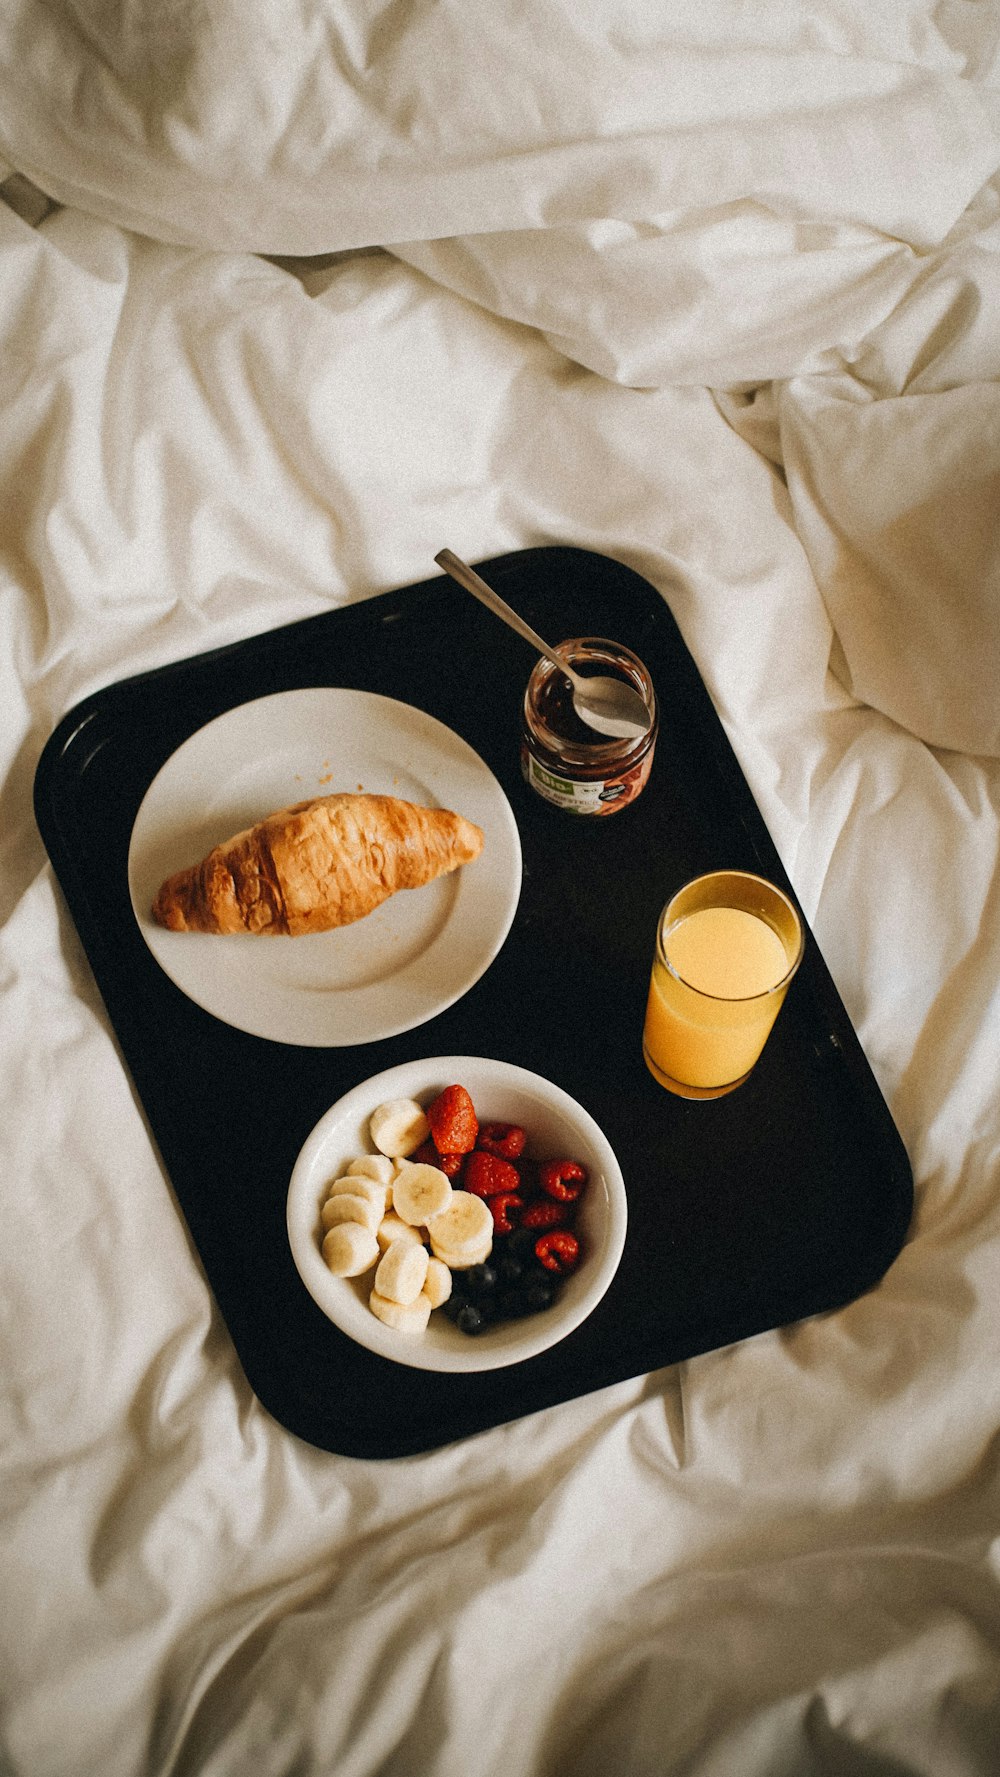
728,945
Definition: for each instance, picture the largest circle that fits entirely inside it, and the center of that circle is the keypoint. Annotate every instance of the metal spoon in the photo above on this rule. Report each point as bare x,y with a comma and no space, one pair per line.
607,705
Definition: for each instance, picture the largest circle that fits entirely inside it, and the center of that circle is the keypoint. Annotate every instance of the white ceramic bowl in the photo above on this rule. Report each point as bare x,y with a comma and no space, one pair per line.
558,1128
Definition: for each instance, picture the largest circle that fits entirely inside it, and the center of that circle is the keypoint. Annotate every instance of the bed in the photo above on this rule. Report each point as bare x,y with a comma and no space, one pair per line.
291,303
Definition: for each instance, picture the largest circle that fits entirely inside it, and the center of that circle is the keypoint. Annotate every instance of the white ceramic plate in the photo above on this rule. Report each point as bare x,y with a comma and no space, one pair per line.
558,1128
415,955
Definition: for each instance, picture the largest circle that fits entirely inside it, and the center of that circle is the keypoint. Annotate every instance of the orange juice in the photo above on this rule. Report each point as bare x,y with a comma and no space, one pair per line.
727,953
720,975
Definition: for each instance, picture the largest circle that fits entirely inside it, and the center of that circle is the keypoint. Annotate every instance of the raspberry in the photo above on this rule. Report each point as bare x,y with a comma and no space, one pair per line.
505,1139
502,1206
562,1179
486,1175
545,1214
558,1251
453,1121
427,1155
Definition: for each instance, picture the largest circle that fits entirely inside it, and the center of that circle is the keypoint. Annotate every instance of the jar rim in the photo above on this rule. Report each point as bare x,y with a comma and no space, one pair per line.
603,750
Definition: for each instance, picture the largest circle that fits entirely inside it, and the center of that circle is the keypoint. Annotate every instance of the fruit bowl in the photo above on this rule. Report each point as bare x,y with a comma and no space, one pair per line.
557,1127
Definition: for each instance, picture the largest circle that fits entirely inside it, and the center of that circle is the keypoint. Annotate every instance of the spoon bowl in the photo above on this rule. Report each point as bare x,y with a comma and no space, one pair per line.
607,705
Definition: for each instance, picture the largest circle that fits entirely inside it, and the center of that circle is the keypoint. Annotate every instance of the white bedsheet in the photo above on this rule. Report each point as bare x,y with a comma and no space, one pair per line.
719,297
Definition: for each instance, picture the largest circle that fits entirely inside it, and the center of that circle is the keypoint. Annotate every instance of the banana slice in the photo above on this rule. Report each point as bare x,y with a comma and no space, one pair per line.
375,1166
347,1206
437,1284
359,1185
463,1226
404,1317
392,1227
420,1192
463,1261
350,1249
402,1271
398,1127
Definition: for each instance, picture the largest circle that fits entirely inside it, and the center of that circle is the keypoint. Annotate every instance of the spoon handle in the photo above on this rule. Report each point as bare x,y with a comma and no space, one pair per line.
467,577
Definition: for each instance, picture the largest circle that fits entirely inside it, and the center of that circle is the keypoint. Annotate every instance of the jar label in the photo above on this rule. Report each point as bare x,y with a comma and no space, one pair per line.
605,796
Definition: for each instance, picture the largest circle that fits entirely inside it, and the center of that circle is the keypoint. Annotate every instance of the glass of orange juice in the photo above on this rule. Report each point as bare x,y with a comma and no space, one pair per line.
727,947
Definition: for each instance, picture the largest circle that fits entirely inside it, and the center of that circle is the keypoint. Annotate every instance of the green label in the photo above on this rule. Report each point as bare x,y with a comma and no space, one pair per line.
562,790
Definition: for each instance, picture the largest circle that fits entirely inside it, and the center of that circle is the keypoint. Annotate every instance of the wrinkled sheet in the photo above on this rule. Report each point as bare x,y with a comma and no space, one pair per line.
284,310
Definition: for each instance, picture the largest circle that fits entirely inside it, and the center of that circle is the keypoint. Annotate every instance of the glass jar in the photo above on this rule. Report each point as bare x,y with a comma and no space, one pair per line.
562,759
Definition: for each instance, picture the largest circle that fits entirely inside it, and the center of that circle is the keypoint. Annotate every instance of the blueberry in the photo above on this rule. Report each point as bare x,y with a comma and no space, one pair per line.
521,1244
513,1305
510,1264
469,1319
480,1281
537,1294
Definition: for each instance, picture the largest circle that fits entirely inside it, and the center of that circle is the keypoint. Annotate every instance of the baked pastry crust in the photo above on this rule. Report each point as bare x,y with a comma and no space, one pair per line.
315,866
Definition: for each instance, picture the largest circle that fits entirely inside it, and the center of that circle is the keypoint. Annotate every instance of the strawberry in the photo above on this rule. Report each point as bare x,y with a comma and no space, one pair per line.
486,1175
562,1179
453,1121
505,1139
558,1251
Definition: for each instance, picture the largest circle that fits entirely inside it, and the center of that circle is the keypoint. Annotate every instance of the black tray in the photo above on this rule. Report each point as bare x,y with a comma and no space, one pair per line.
788,1197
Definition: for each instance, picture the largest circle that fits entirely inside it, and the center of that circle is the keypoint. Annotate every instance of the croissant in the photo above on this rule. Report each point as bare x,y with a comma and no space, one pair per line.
316,865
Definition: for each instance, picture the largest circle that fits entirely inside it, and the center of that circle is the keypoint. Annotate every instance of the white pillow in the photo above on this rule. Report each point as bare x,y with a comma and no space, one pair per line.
309,126
897,502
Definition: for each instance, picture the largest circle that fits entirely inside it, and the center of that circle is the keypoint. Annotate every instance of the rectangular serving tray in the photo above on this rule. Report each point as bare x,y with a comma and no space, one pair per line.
787,1198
